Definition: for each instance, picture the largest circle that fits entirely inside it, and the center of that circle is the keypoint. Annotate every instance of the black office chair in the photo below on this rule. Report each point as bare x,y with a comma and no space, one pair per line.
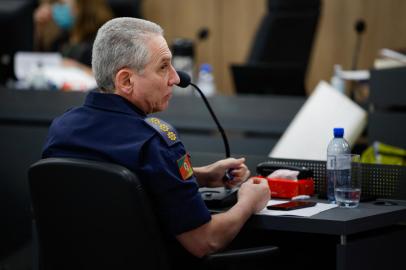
95,215
17,38
126,8
281,49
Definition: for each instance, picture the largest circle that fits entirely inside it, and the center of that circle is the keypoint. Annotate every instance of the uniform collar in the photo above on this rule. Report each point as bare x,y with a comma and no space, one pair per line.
111,102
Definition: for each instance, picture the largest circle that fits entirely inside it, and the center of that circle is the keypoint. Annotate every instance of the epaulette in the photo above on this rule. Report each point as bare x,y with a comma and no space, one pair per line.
164,129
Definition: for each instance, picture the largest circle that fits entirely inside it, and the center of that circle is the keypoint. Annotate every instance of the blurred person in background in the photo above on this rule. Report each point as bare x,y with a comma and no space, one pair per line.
69,27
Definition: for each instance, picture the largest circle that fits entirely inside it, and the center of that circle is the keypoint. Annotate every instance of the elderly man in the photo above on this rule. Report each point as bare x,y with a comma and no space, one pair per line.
132,66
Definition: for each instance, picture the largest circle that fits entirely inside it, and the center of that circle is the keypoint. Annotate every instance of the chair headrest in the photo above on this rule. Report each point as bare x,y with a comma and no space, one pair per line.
293,4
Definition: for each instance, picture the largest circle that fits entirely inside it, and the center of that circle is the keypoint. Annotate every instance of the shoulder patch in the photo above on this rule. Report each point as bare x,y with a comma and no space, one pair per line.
185,167
167,132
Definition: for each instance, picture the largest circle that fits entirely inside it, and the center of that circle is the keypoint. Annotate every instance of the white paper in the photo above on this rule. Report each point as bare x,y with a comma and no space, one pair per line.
355,75
304,212
393,55
48,69
311,130
25,62
77,79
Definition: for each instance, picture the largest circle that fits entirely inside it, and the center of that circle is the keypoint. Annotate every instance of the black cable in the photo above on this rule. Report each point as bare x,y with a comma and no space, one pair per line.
220,128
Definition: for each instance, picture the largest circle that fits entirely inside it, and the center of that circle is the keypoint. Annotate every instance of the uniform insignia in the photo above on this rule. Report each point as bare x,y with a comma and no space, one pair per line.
166,131
185,167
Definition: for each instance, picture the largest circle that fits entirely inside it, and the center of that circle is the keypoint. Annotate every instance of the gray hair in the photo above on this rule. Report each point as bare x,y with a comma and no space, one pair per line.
121,42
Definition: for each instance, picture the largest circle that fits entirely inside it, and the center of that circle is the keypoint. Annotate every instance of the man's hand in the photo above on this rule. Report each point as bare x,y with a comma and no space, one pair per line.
213,175
223,227
254,192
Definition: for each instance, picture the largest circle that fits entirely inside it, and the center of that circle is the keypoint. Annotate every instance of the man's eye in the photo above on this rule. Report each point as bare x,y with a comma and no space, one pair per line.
164,66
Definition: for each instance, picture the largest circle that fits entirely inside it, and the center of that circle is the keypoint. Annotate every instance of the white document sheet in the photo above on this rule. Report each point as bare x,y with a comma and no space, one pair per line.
304,212
53,70
24,62
309,133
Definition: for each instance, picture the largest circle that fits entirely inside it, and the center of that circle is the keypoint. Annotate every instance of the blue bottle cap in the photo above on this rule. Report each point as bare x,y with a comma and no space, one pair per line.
206,67
338,132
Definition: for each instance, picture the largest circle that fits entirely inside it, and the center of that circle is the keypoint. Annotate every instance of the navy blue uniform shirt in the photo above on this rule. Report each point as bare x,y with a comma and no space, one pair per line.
109,128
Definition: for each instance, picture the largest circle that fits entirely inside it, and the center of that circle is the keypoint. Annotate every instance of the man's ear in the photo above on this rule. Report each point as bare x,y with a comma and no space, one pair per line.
124,81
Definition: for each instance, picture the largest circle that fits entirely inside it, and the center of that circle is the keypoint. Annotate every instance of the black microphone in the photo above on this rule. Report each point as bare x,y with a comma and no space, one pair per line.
185,81
359,27
213,198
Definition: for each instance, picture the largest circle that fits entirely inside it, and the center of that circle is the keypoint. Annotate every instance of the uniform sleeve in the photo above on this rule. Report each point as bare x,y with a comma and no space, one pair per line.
178,202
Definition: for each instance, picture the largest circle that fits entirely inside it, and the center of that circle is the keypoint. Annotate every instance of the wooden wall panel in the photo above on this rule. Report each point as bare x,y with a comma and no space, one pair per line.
233,24
183,19
335,42
239,20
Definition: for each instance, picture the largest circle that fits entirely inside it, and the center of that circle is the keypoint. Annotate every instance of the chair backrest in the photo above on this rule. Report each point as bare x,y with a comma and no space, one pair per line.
286,32
126,8
93,215
16,38
281,48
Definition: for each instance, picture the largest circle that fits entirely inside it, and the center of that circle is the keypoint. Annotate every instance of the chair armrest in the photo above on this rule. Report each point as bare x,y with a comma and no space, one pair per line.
254,253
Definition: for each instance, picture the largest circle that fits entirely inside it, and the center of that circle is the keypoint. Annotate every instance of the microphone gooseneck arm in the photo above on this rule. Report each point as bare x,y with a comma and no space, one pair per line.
185,81
220,128
359,27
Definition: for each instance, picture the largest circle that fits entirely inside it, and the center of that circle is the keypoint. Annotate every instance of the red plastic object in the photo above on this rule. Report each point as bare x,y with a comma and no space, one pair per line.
286,188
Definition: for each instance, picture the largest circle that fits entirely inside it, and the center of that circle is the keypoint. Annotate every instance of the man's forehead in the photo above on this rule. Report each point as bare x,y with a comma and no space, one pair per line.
159,49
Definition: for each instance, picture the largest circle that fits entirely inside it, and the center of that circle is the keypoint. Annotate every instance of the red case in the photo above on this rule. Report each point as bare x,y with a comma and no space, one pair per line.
286,188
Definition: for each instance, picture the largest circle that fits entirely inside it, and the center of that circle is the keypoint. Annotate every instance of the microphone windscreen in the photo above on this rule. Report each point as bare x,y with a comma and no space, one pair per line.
360,26
184,79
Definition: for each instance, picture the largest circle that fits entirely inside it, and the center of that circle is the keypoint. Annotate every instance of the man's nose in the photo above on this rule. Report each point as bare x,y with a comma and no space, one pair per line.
174,79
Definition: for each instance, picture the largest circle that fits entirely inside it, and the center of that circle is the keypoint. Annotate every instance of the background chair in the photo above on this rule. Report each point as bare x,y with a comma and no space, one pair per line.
19,37
281,49
95,215
126,8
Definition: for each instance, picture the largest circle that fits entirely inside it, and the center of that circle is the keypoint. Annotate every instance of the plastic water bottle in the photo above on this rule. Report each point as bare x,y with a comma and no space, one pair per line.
338,145
337,81
205,80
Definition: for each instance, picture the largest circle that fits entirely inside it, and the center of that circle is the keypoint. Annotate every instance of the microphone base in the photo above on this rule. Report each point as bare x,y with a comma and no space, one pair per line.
217,198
